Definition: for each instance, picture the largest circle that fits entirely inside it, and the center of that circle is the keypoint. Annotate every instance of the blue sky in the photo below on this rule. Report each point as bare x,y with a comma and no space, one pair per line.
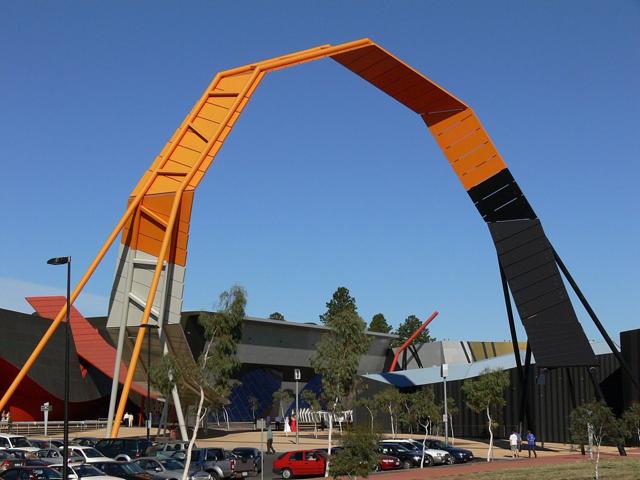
325,181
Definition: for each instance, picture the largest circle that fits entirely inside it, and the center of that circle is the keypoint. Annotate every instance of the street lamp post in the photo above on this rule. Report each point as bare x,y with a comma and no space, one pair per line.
445,372
297,376
149,327
65,440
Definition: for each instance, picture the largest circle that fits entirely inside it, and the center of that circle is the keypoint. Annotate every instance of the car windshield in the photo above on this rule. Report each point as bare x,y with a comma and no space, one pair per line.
91,453
171,464
436,444
132,468
20,442
87,471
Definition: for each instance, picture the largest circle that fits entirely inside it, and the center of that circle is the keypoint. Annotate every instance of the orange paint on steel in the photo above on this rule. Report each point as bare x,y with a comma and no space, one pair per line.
413,336
414,91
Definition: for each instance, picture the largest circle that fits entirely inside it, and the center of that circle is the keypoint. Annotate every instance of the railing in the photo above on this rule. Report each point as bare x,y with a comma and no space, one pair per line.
53,427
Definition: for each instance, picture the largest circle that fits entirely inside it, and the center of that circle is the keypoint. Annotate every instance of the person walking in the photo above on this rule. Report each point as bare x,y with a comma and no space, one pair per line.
270,448
294,423
513,443
287,426
531,444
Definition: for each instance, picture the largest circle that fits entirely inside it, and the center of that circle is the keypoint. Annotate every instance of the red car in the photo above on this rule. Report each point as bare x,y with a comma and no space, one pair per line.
300,463
387,462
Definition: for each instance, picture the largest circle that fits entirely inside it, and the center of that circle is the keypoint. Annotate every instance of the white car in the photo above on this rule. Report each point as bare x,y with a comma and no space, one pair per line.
78,471
439,456
16,441
88,454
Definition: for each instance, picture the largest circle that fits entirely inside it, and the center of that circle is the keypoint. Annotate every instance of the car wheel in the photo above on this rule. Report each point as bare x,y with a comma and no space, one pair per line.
406,464
286,473
376,468
214,475
450,460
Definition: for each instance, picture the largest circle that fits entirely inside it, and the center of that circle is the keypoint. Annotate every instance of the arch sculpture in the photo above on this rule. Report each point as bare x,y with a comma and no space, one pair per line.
155,226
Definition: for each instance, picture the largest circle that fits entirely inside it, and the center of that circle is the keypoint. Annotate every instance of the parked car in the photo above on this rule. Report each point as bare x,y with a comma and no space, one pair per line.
300,463
16,441
170,468
167,448
126,470
53,456
218,462
31,473
123,449
408,457
41,444
387,462
78,471
88,454
437,456
56,443
85,441
458,455
248,459
8,460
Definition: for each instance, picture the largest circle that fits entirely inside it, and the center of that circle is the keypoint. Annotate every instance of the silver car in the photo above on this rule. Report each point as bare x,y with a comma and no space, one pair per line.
170,468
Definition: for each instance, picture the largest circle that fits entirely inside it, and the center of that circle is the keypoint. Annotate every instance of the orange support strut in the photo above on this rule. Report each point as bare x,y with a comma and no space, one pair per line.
415,334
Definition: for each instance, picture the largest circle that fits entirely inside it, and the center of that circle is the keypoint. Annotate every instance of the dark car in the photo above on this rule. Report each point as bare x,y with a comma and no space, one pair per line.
85,441
31,473
126,470
7,460
459,455
123,448
249,459
408,458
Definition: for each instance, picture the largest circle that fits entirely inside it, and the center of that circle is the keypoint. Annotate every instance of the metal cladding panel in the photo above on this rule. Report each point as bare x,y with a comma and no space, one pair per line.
499,198
525,255
557,338
88,342
467,146
399,80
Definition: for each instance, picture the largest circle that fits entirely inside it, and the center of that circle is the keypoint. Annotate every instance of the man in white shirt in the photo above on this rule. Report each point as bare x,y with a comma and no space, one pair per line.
513,442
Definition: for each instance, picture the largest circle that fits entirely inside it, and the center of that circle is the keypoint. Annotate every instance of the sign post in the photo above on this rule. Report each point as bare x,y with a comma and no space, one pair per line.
445,417
297,376
46,408
260,423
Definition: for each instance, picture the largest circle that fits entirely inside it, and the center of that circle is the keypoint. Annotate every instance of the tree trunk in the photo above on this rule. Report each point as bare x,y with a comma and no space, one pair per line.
424,443
393,432
187,461
371,413
598,441
453,438
326,469
490,451
226,417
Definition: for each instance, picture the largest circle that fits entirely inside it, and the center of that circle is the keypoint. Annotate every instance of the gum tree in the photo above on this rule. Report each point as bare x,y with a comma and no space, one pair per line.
484,394
338,355
593,422
423,411
310,397
210,377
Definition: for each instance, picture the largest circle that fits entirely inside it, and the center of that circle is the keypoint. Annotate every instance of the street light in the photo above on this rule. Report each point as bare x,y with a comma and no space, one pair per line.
149,327
65,440
297,376
444,372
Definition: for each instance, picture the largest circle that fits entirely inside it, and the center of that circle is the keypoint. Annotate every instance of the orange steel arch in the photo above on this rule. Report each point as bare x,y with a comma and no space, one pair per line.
156,220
